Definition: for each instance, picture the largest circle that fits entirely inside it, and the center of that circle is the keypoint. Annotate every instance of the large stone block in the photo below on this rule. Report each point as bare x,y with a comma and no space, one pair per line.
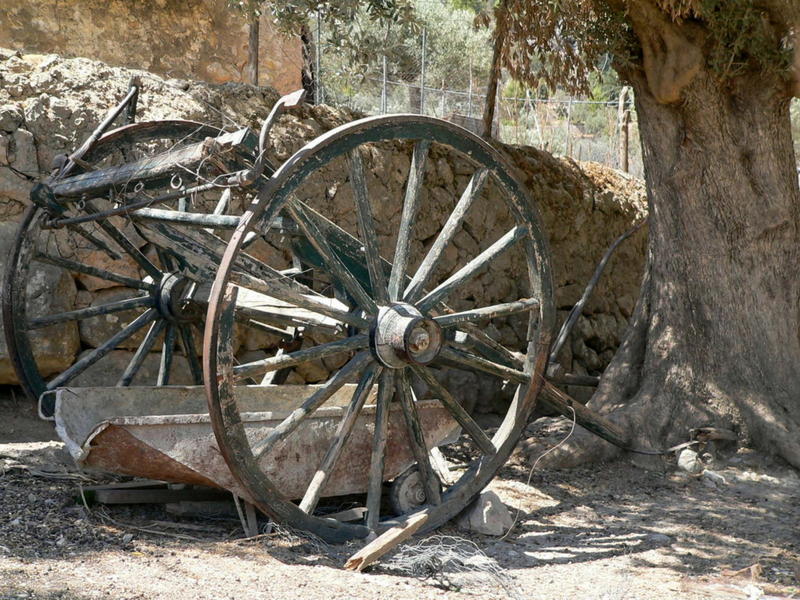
50,290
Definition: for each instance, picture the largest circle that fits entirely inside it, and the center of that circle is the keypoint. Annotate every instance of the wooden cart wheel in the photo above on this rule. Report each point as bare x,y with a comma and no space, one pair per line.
408,318
142,279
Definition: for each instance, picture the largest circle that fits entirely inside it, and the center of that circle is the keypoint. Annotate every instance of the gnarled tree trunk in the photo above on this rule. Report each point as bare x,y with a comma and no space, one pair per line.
715,338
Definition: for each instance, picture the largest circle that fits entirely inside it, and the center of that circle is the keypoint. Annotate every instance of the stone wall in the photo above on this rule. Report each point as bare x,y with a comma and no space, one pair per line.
191,39
48,105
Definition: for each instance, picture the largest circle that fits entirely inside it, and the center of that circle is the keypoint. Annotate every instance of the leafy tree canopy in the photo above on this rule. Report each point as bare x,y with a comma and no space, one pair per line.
562,41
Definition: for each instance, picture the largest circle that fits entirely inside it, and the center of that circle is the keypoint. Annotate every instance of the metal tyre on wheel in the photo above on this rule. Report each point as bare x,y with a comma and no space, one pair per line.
120,292
421,291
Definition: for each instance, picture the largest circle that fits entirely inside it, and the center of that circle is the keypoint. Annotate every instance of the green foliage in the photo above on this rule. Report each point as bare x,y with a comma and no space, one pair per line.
454,47
475,6
742,37
292,15
561,41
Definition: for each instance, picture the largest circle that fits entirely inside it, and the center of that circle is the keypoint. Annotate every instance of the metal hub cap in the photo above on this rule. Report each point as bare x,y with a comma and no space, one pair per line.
401,335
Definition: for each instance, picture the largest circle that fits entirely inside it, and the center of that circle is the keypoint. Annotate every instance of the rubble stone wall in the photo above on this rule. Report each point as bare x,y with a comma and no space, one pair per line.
49,105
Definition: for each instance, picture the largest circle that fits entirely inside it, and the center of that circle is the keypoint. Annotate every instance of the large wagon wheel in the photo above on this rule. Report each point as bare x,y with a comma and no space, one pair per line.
407,320
143,279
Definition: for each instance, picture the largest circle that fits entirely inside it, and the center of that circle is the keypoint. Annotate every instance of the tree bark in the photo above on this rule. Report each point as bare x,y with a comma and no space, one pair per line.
715,339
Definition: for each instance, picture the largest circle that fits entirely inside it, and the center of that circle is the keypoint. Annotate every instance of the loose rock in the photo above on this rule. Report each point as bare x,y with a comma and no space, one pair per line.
486,515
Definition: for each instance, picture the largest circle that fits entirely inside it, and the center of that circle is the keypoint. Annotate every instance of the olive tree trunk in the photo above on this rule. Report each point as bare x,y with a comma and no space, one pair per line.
715,337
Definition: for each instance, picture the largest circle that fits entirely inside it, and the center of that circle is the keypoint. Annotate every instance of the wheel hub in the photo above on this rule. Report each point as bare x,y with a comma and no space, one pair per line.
171,297
401,336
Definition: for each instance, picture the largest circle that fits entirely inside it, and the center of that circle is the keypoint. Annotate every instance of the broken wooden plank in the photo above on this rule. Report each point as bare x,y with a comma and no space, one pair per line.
384,543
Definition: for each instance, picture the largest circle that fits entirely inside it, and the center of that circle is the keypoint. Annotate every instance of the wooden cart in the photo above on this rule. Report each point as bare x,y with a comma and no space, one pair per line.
202,238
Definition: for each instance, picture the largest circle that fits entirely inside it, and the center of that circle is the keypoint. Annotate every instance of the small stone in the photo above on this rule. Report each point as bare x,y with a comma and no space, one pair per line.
127,538
659,539
689,461
487,515
714,478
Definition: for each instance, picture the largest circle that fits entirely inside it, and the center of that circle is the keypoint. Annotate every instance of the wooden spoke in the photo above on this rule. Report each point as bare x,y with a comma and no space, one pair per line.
90,311
141,353
77,267
95,241
336,267
324,306
416,439
471,361
420,280
366,224
191,354
484,340
343,431
165,259
441,292
124,243
273,363
385,393
415,176
487,312
264,327
88,360
312,403
205,252
472,429
167,352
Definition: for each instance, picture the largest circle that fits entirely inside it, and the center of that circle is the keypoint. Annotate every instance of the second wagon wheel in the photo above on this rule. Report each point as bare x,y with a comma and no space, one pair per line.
119,283
442,305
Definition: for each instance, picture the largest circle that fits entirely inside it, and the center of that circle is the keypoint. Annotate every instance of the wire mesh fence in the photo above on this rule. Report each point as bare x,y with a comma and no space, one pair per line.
442,70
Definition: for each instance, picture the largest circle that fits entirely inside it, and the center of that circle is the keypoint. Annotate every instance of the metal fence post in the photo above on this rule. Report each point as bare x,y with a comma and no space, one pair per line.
318,62
422,73
569,122
384,97
469,93
623,123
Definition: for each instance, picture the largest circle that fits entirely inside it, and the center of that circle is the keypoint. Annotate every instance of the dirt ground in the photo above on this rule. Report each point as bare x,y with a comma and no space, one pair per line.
610,532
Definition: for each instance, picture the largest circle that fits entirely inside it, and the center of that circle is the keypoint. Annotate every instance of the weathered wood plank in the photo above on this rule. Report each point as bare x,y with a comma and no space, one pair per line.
151,169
